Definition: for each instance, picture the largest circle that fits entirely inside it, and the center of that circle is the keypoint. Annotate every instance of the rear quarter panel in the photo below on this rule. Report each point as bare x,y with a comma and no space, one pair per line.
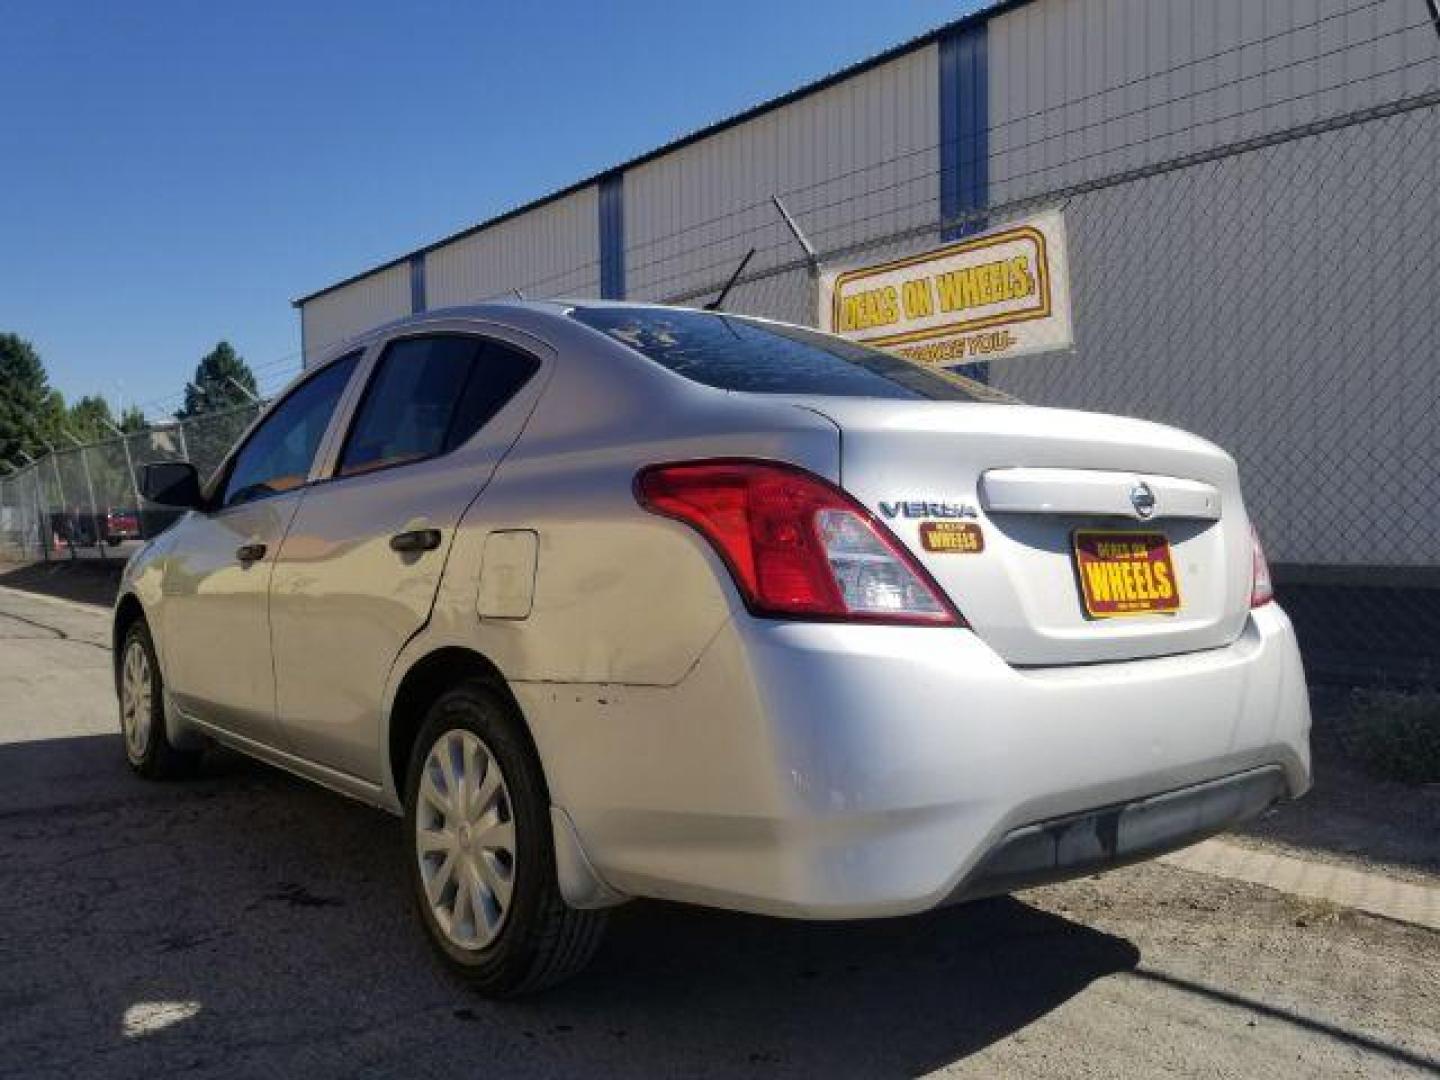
620,595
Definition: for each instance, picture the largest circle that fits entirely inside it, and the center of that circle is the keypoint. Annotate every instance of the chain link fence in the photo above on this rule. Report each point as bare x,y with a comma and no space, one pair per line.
84,501
1276,294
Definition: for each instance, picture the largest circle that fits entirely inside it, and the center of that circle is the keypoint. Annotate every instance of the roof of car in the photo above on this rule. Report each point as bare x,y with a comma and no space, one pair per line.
488,309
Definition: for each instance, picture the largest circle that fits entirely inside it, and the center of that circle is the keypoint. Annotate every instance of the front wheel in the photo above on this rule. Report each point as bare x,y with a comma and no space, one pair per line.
142,711
482,863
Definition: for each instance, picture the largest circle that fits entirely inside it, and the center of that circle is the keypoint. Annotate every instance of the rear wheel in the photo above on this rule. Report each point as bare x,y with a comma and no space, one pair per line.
482,854
142,711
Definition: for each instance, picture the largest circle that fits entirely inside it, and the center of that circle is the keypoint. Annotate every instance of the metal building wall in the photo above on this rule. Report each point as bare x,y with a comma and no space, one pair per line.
335,317
1088,88
853,161
552,250
1274,300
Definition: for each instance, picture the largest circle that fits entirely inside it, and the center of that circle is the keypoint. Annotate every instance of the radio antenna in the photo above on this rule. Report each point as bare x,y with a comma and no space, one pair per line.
718,303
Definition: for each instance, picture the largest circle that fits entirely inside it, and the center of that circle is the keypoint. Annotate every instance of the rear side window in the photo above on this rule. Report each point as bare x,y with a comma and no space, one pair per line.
428,395
734,353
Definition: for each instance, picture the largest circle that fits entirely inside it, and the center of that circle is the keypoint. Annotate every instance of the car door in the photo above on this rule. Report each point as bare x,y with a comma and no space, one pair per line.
216,580
359,570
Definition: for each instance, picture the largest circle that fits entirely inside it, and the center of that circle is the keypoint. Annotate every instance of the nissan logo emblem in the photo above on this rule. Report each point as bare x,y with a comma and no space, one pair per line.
1143,499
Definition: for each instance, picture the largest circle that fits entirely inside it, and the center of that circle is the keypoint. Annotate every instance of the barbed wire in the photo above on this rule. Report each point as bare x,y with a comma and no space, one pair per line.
930,148
927,201
657,284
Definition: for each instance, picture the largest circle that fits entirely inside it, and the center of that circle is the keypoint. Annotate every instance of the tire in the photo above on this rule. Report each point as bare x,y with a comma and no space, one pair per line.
142,716
509,932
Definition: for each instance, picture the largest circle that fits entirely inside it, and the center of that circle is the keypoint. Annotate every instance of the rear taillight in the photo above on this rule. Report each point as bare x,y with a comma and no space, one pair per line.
796,545
1262,590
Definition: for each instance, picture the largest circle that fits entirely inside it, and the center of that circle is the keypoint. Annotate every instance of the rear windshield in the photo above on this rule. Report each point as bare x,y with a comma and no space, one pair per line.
735,353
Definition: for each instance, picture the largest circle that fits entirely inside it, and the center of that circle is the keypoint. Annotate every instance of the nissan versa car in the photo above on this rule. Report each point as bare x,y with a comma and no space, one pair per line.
614,600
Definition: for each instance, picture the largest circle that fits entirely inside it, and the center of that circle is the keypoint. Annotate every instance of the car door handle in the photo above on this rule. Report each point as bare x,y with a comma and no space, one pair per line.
416,540
248,553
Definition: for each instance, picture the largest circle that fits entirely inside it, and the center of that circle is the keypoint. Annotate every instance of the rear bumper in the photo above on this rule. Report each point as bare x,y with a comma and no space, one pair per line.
1112,836
827,771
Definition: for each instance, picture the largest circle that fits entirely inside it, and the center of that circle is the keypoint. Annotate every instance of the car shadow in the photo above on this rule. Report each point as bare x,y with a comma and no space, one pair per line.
85,581
247,922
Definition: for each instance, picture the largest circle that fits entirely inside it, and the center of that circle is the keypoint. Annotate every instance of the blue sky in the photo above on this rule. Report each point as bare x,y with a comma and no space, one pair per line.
174,173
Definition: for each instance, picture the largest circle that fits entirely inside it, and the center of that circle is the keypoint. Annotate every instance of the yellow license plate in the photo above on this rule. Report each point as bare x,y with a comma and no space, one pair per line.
1125,573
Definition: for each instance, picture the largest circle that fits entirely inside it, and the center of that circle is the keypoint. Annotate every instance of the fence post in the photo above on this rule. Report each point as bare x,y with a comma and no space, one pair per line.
4,501
90,489
42,524
130,471
64,502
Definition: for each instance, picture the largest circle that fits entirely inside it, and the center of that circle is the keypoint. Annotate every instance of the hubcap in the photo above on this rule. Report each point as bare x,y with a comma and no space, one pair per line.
465,839
136,690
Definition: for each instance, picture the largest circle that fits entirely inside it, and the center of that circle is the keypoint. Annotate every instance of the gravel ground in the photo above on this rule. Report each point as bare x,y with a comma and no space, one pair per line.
246,923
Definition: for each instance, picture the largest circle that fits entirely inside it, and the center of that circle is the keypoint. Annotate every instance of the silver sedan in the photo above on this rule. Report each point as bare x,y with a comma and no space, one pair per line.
616,600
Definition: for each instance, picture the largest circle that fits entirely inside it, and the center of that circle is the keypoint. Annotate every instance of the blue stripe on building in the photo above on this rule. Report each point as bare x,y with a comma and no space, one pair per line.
965,136
964,125
417,283
612,237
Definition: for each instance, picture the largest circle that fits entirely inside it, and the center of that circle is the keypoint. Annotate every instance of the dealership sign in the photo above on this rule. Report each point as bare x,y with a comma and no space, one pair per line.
1005,292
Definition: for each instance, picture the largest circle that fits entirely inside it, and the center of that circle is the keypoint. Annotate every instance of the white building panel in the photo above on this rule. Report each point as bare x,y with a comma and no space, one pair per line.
1086,88
852,161
552,250
337,316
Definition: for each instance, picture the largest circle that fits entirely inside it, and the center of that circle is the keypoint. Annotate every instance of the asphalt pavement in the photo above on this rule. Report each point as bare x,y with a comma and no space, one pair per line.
247,924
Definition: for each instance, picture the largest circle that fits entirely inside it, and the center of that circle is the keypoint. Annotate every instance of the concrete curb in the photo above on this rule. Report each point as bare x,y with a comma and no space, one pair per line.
1375,894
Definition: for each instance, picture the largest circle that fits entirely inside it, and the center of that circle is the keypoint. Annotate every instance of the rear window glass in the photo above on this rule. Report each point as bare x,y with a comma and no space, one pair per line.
734,353
430,394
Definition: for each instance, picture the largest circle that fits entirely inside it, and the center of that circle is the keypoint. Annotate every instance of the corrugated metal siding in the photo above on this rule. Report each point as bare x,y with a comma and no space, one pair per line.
1086,88
551,251
853,161
338,316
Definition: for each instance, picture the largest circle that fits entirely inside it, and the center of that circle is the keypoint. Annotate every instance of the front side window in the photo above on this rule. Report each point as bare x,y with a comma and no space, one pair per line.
735,353
278,456
430,394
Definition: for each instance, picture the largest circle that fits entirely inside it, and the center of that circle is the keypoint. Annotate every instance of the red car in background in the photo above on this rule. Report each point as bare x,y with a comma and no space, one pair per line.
120,525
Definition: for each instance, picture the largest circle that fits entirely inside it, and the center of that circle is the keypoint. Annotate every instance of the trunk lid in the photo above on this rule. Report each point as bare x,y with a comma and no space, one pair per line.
1031,479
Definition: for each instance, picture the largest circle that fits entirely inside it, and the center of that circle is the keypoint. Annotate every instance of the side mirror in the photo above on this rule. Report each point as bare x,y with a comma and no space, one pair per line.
171,483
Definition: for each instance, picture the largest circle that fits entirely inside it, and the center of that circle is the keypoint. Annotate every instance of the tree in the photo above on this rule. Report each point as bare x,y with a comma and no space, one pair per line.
132,420
26,400
90,419
213,389
50,418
